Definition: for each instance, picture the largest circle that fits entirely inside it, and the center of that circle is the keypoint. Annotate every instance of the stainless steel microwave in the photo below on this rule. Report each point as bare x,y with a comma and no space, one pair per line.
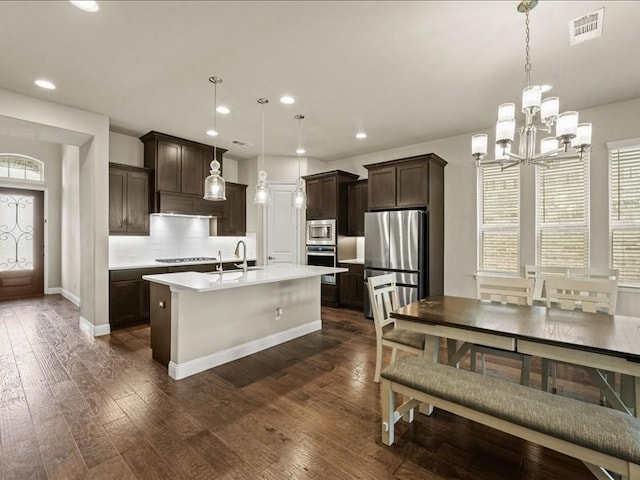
321,232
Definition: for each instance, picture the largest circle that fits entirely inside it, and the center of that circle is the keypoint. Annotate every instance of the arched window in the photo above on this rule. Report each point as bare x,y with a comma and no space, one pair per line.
21,167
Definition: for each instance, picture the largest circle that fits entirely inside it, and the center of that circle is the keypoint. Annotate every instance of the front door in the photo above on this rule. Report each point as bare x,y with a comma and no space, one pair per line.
281,226
21,243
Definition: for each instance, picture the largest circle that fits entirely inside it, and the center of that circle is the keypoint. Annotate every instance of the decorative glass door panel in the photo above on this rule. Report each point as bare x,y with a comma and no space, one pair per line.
16,232
21,243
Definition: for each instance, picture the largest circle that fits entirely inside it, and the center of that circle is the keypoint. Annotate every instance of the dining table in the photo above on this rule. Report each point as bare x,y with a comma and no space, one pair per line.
598,341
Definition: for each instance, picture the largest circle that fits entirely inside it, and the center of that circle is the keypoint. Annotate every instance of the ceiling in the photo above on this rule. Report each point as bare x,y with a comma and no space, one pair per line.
403,72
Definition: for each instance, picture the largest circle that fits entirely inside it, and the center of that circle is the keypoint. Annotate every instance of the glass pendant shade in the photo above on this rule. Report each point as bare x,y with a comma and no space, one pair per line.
583,137
299,197
505,129
507,111
262,194
531,97
567,124
549,108
479,144
214,185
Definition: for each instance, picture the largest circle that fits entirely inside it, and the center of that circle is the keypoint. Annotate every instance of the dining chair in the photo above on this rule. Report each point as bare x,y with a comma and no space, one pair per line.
383,297
539,274
510,290
591,293
586,294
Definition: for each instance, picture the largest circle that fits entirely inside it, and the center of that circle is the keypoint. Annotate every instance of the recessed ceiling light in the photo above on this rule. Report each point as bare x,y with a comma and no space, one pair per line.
287,100
300,151
45,84
87,6
223,110
212,133
361,135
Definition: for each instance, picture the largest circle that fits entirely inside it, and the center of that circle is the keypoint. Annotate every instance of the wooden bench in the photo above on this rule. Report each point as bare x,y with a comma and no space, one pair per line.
594,434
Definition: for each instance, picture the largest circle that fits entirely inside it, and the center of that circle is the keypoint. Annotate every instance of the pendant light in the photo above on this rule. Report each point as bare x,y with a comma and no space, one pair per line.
263,192
298,197
214,186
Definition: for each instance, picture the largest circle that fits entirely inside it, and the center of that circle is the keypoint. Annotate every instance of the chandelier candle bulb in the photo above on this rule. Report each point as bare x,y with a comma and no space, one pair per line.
479,144
507,111
505,130
567,125
548,144
531,97
549,109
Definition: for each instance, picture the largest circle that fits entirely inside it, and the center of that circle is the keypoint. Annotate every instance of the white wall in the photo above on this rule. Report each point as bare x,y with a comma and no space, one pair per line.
610,122
28,116
70,241
126,150
50,154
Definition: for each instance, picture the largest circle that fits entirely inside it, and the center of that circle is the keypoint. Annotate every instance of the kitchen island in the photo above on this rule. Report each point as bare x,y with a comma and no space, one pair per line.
202,320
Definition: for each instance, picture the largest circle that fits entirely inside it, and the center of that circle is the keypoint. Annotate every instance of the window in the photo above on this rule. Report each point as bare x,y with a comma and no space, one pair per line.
498,219
562,213
20,167
624,212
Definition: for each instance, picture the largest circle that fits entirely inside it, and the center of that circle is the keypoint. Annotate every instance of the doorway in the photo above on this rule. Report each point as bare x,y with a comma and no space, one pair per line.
282,226
21,243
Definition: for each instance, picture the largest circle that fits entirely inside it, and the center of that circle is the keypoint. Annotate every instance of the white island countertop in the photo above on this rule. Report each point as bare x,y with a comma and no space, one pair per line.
208,282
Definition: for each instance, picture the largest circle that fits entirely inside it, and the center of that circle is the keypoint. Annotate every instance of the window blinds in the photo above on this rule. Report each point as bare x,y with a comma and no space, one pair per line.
562,213
624,212
498,219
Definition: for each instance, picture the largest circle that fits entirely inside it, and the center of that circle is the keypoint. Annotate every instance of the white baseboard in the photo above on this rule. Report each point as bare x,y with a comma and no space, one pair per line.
68,295
94,330
179,371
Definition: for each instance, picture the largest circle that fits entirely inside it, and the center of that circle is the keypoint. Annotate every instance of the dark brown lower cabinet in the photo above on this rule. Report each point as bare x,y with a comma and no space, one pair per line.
161,323
130,296
352,286
329,295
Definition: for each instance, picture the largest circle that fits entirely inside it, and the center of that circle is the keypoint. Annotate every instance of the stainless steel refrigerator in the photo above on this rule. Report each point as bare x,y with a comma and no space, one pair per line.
396,242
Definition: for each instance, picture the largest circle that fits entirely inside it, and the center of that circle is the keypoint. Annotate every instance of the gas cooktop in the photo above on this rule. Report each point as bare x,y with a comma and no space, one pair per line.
186,259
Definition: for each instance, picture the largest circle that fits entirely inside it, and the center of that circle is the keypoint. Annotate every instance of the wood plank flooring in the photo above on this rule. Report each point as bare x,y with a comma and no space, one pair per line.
77,407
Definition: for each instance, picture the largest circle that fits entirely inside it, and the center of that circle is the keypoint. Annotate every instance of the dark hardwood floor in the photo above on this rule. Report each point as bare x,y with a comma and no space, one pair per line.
77,407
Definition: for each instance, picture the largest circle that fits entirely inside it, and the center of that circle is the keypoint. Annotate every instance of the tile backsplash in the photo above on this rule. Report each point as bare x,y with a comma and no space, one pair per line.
173,236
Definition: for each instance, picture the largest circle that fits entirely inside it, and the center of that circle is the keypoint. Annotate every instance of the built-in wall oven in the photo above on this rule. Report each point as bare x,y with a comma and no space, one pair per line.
323,256
321,232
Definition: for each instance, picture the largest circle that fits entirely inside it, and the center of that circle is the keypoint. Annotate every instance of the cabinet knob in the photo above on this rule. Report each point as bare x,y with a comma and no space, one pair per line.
271,258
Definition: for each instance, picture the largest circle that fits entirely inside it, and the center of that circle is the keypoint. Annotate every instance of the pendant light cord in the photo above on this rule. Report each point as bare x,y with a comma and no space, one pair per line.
300,117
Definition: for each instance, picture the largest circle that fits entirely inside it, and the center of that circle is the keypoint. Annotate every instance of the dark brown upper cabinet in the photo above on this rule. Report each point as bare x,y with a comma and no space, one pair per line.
181,167
233,221
129,198
357,195
407,182
327,197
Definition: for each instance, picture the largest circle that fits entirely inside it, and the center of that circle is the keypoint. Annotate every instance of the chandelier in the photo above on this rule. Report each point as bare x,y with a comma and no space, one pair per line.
571,138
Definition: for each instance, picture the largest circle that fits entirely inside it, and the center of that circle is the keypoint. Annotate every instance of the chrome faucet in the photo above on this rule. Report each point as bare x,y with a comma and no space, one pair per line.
242,265
219,268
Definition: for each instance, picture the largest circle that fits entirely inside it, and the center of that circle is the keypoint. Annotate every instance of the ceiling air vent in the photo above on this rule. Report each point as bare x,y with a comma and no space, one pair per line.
587,27
240,143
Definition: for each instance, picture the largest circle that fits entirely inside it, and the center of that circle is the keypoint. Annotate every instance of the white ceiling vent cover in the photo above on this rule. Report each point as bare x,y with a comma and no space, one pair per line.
240,143
587,27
